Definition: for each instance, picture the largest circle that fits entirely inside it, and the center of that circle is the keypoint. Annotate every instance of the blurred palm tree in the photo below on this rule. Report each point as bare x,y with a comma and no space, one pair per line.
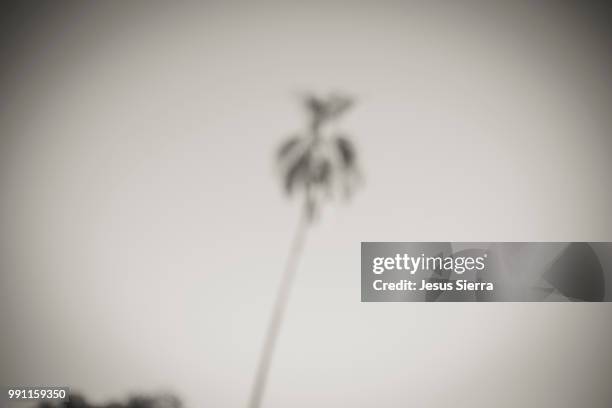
315,164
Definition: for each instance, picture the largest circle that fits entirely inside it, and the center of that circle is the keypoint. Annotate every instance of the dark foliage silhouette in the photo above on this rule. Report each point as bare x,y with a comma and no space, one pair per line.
578,274
138,401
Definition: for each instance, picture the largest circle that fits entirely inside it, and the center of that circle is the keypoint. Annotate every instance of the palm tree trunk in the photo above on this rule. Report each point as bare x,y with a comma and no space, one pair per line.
278,312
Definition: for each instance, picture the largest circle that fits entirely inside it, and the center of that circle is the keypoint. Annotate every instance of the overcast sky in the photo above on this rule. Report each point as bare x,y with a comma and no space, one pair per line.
144,229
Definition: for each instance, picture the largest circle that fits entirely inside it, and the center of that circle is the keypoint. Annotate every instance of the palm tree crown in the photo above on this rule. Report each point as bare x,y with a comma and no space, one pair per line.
318,161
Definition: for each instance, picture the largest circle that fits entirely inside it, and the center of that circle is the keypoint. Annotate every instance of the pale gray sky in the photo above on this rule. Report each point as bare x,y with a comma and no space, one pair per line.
144,228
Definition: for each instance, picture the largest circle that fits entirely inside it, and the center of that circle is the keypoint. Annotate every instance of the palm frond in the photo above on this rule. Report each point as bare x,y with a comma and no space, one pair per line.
337,104
325,109
288,147
347,152
315,106
297,172
322,173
